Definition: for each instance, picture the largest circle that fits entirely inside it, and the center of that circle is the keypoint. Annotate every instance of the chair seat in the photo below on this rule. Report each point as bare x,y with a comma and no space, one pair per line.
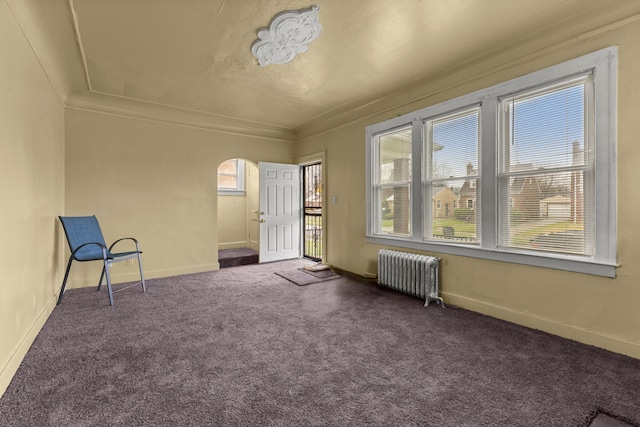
122,255
97,255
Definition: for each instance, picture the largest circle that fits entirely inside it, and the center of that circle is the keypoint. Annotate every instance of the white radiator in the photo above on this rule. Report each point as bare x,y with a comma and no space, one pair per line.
412,274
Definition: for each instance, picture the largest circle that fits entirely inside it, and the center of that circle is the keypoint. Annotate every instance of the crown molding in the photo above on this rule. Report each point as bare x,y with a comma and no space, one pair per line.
126,107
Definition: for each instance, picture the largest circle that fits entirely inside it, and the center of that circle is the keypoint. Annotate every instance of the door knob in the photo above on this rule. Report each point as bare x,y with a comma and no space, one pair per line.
263,220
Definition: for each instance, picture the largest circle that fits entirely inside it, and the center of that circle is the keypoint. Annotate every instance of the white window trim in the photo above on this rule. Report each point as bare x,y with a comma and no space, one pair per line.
603,63
239,190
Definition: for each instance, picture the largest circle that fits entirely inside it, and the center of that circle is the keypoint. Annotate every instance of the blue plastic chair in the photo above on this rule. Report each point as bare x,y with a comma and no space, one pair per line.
87,244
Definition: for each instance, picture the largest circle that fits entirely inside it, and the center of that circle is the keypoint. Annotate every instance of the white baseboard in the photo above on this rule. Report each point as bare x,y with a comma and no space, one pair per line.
151,274
134,275
233,245
9,370
572,332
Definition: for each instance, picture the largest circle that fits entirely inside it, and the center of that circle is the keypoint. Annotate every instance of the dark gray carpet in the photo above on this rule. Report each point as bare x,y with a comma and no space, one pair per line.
237,256
243,347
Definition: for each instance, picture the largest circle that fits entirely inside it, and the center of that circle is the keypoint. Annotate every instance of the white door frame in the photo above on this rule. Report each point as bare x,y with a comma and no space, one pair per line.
320,157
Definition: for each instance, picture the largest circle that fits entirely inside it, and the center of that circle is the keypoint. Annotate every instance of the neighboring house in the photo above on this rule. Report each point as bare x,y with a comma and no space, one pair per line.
525,194
558,207
468,189
389,201
577,186
444,203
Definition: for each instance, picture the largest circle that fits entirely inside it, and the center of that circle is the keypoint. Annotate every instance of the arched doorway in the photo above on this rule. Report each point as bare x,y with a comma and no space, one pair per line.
238,203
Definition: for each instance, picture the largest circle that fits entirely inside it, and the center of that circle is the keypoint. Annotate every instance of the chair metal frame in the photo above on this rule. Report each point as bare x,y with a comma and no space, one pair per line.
83,251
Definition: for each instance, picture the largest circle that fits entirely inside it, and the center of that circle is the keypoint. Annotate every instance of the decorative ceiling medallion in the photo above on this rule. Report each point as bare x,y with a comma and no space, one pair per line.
288,35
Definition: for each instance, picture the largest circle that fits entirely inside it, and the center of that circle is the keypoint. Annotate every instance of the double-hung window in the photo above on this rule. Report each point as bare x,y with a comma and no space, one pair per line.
450,171
523,171
546,169
231,177
392,182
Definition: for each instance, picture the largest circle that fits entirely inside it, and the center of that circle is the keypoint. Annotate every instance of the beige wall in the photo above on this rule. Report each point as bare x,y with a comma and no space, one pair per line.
153,181
32,194
594,310
234,213
232,221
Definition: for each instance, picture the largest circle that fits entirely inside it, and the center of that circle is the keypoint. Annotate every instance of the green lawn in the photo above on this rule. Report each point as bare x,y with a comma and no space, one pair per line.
468,229
524,237
461,228
311,247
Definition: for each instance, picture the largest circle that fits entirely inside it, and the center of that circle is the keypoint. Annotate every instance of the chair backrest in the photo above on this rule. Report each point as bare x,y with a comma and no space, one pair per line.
81,230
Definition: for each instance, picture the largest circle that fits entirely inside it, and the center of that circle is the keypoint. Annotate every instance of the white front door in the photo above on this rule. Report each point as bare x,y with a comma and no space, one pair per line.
280,211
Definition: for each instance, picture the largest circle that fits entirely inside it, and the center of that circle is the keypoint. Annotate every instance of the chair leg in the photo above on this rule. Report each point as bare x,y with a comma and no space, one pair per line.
64,281
144,286
106,273
101,277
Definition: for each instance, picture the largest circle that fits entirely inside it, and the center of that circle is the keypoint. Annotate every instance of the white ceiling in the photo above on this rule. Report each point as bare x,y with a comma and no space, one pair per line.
195,55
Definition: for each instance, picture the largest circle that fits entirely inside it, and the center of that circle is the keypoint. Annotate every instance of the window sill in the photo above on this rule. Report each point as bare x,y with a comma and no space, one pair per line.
558,262
230,193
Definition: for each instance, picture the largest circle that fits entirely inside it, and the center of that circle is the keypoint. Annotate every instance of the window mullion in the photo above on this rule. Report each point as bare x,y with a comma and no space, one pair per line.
488,187
417,192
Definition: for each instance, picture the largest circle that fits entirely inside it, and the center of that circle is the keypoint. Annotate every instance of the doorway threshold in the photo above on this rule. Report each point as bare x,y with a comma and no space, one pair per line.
237,256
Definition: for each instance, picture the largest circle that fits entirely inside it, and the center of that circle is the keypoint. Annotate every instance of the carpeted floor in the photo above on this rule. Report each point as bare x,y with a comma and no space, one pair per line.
245,347
237,256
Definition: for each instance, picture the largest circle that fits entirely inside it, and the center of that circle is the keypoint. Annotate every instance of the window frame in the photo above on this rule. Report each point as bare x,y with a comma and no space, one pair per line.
239,190
429,177
603,65
585,169
377,186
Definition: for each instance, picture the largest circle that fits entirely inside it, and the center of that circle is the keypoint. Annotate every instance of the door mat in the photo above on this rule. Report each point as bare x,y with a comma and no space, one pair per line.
321,274
303,277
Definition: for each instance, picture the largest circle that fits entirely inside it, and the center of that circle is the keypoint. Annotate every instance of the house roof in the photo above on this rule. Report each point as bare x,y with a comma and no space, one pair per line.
556,200
520,183
443,191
